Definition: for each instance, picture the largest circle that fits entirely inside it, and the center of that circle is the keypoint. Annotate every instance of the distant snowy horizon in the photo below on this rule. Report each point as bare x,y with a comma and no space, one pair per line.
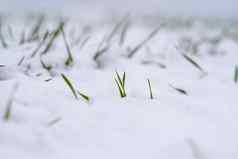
211,8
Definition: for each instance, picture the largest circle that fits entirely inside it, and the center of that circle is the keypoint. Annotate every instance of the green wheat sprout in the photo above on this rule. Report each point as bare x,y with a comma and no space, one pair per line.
120,82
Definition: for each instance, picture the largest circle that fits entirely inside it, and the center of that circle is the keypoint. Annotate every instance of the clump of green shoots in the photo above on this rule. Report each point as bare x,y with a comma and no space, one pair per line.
236,74
120,82
150,89
73,90
107,40
116,28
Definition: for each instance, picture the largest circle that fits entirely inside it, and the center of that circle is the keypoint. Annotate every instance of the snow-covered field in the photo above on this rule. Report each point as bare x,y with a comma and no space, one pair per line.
191,67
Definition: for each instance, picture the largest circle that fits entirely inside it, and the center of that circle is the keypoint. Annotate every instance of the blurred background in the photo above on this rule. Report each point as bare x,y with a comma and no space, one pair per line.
198,8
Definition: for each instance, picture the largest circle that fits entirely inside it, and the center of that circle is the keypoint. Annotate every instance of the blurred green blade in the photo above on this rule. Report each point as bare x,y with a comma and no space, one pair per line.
236,74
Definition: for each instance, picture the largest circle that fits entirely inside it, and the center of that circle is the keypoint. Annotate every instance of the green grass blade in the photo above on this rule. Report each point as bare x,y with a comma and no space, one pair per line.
48,68
85,97
54,35
148,62
34,34
150,89
53,122
46,35
140,45
119,88
189,59
10,32
70,59
236,74
22,38
8,111
124,80
21,61
120,82
101,50
2,38
69,84
182,91
84,42
116,28
100,53
124,33
119,79
107,40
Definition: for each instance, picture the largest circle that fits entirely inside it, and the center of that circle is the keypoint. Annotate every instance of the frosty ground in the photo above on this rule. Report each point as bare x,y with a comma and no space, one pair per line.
193,113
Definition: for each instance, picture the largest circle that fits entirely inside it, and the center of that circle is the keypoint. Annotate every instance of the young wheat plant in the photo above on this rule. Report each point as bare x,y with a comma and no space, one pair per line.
120,82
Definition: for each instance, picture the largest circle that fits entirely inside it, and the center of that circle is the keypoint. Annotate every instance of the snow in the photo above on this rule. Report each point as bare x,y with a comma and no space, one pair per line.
200,125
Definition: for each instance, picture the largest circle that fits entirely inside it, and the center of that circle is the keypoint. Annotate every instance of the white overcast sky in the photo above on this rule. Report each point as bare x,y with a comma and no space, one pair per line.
220,8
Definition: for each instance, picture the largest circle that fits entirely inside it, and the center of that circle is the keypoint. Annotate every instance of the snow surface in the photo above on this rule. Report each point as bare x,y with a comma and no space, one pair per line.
200,125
